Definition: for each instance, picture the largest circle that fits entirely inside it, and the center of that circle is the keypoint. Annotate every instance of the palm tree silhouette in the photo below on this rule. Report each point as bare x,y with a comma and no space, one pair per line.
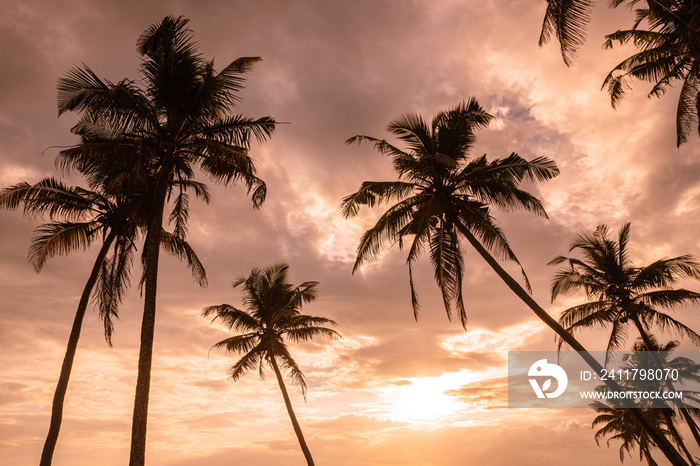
87,216
669,52
179,120
621,294
272,314
668,49
618,423
443,194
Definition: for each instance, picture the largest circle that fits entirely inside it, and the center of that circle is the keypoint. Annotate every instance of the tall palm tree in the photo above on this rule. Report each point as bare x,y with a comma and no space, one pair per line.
443,195
86,216
272,314
621,294
667,35
178,121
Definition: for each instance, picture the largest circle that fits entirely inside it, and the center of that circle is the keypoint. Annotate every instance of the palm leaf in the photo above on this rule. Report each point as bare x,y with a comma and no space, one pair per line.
59,238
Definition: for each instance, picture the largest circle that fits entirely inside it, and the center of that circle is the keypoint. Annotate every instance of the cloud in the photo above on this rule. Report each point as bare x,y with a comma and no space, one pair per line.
331,70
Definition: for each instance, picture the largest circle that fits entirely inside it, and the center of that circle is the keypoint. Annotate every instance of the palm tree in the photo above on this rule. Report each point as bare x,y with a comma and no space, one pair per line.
621,294
443,195
178,121
617,421
619,424
272,314
86,216
669,51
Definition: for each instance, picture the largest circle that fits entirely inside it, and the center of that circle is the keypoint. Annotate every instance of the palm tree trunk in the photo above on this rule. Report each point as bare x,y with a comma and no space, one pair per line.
684,412
137,456
59,395
295,423
662,442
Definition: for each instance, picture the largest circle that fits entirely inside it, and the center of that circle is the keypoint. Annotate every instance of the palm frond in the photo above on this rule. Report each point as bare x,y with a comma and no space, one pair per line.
385,232
309,333
448,263
175,245
50,196
372,193
665,272
112,284
290,366
566,20
59,238
253,356
231,317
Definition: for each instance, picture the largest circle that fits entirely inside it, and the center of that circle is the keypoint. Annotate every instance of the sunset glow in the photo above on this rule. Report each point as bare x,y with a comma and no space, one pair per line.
396,389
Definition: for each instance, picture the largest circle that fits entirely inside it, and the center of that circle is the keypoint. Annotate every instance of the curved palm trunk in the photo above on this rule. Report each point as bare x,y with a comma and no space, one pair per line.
59,395
662,442
137,455
295,423
684,412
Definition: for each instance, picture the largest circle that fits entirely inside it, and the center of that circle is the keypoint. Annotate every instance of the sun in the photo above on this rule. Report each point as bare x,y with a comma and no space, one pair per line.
422,400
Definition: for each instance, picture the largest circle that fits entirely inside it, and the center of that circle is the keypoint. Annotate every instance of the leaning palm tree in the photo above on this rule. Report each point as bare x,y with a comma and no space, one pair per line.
85,217
619,293
444,195
179,120
622,295
272,315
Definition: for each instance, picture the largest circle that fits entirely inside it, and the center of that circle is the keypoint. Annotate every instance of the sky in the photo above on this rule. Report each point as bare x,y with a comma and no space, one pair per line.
393,391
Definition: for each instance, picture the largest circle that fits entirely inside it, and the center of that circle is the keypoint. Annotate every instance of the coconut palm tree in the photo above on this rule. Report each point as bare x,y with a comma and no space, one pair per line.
618,423
667,35
664,31
621,294
86,216
177,121
444,195
271,316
